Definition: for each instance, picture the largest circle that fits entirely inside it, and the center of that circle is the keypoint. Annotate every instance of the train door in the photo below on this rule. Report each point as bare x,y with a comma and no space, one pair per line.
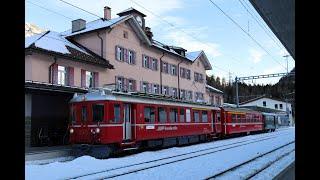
218,121
127,122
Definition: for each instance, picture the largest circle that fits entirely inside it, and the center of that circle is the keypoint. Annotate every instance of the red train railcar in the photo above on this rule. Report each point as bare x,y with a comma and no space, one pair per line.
103,122
241,120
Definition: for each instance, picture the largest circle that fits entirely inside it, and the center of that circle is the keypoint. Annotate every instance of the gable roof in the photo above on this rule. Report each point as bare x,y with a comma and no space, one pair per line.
101,23
260,97
53,43
193,56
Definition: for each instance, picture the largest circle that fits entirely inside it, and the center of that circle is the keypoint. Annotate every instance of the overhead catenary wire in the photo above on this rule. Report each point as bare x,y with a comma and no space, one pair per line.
49,10
252,38
259,23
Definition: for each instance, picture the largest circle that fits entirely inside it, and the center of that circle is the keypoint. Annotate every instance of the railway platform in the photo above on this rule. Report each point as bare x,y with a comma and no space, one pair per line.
42,153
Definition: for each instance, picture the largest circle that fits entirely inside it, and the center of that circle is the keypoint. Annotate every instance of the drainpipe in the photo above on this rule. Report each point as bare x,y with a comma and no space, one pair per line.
160,68
98,34
178,71
51,74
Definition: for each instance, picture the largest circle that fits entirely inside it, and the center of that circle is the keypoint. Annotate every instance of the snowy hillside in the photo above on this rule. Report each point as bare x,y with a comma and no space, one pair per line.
31,29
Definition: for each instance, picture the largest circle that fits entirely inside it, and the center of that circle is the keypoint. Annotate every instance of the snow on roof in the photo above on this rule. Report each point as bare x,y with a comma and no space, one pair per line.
94,25
213,89
193,55
52,41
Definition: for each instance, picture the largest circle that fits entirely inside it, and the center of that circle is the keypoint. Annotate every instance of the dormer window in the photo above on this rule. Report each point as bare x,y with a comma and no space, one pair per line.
139,19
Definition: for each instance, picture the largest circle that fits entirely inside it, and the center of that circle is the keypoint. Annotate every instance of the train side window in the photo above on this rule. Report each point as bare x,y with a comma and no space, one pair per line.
188,117
196,116
83,114
97,112
149,115
162,115
218,117
204,116
117,113
239,118
181,115
174,115
73,114
233,118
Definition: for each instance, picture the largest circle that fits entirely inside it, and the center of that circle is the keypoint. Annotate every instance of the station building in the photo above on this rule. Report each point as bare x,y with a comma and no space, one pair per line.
118,53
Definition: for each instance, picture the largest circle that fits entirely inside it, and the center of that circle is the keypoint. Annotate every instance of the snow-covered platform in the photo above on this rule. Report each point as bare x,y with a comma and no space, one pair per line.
261,156
46,153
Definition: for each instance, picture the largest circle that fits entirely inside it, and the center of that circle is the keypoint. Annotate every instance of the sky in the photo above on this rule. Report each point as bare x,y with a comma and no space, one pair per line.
191,24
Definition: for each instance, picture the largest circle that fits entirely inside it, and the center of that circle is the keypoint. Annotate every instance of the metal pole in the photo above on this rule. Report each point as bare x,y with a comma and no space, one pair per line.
237,95
287,111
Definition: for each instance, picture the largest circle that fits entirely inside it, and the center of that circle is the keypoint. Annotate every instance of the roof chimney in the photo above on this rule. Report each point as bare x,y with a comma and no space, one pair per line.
107,13
78,25
148,32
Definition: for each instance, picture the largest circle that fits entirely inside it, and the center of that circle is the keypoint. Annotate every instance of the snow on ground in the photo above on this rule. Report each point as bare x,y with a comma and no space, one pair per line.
196,168
276,168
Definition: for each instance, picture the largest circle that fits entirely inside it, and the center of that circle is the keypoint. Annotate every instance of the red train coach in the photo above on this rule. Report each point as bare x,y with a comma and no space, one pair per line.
241,120
103,122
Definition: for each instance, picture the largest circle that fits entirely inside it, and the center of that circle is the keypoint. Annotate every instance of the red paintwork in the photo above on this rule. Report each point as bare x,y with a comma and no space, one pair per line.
112,133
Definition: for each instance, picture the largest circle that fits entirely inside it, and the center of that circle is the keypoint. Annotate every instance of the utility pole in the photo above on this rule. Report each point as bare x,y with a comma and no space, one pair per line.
237,95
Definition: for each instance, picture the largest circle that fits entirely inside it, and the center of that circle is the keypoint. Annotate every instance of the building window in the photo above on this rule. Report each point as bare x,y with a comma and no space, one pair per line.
154,64
196,116
146,61
183,94
130,85
89,79
119,53
280,105
264,103
199,96
120,83
276,106
155,89
62,75
173,115
149,115
173,70
182,72
162,115
125,34
145,87
188,72
190,95
204,116
165,90
97,112
201,78
174,92
131,57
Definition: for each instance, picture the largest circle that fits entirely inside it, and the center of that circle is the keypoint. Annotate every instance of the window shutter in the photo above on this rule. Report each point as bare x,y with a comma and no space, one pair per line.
149,88
71,76
126,82
117,53
143,60
141,86
134,86
122,54
116,82
125,55
156,64
83,78
55,73
96,79
133,57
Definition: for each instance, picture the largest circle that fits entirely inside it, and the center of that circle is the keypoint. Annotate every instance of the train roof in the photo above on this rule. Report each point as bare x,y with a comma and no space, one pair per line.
108,94
241,110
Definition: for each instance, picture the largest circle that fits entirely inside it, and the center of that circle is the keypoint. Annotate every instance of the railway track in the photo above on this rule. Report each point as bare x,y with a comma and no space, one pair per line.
176,158
256,172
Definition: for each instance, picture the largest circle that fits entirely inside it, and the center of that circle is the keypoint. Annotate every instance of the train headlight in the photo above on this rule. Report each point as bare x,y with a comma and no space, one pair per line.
97,130
71,131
